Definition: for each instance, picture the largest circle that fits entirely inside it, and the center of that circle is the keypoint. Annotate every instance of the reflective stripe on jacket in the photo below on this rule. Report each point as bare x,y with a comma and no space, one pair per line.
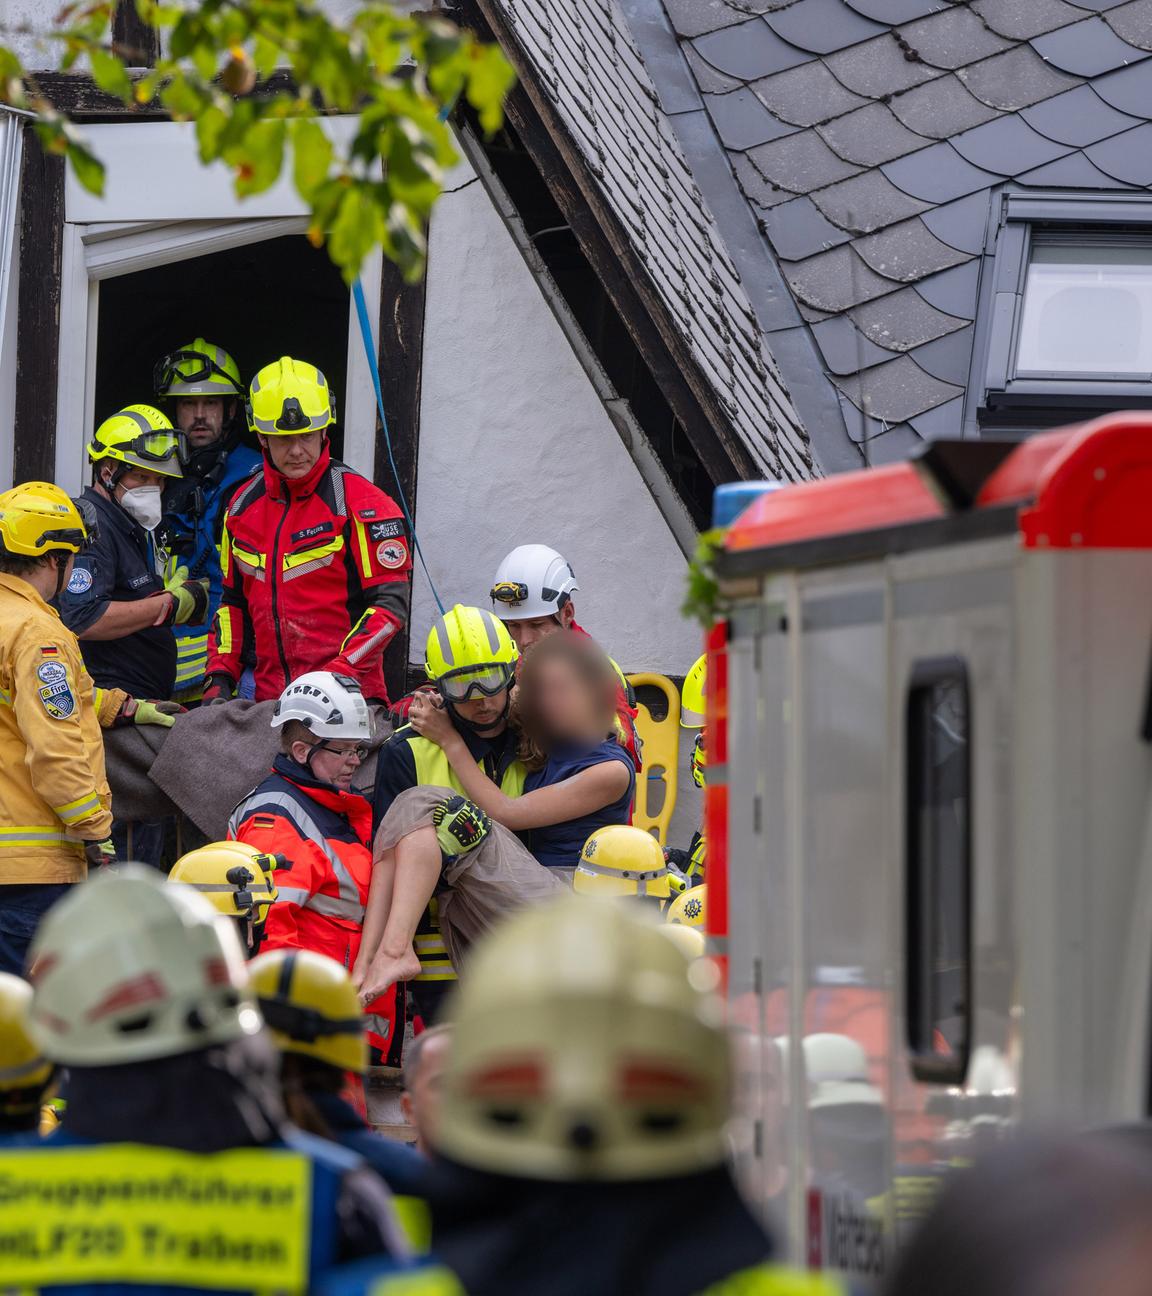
53,791
315,577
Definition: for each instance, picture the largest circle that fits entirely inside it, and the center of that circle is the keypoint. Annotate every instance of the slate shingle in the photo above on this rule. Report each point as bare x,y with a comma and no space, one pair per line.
867,202
749,50
835,280
937,174
1133,22
944,421
952,38
961,224
1014,79
708,80
1077,117
894,446
756,188
845,349
897,11
941,108
953,291
1096,6
907,251
806,94
869,136
742,121
822,26
698,17
1023,19
1127,157
1087,49
1128,89
797,230
1007,146
948,358
903,320
800,162
896,391
1071,172
878,67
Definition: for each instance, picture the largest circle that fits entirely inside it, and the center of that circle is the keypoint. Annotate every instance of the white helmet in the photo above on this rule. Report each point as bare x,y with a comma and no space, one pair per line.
836,1068
126,968
331,706
532,581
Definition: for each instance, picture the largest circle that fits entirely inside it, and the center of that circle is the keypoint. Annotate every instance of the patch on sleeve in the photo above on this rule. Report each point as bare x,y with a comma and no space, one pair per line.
392,554
49,650
386,530
263,821
80,582
56,694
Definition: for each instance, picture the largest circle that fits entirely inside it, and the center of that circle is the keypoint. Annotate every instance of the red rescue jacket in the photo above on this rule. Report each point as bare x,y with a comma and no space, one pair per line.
326,836
315,577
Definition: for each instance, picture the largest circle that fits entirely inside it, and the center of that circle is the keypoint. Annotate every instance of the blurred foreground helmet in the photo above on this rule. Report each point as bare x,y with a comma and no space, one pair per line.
311,1007
620,860
689,940
690,908
198,369
585,1048
126,968
692,695
532,581
25,1073
38,518
288,397
235,879
836,1068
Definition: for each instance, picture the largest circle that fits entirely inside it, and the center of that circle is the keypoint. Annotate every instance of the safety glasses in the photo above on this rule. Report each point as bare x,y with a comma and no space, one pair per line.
360,751
157,447
509,593
188,367
475,681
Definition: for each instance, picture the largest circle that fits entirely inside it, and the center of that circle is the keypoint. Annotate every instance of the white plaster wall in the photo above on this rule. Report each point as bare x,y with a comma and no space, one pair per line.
22,24
516,448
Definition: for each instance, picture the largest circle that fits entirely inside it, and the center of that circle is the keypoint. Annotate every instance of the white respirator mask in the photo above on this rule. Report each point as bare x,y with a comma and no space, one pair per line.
144,504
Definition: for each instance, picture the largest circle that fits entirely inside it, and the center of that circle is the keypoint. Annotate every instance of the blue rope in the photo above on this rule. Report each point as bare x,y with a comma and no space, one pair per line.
370,352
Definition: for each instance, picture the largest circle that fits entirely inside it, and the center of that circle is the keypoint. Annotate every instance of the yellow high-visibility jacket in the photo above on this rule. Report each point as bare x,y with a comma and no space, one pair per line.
54,794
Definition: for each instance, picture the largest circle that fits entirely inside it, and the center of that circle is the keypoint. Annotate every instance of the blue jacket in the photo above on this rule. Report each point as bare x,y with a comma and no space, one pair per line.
192,528
401,1167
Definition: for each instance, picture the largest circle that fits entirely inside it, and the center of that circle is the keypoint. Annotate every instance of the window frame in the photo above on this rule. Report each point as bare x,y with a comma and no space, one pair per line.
921,943
1006,398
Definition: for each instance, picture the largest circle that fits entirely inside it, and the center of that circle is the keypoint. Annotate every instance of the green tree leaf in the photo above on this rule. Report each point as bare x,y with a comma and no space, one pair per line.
111,75
311,156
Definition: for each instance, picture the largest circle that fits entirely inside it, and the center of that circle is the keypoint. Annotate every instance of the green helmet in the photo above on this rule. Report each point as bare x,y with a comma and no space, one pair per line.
198,369
139,436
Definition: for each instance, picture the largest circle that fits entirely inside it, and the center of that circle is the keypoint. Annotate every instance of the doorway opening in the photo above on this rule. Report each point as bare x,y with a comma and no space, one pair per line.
259,301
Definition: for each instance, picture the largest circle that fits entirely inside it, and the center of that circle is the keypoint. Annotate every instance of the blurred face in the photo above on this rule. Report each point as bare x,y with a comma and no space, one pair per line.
486,713
421,1102
526,633
333,760
565,701
294,456
202,418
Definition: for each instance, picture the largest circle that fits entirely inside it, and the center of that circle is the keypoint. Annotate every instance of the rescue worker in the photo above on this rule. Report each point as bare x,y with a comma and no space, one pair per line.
236,880
175,1152
313,1013
306,810
26,1075
620,860
422,1083
117,600
203,383
587,1090
315,558
532,595
692,861
55,816
689,908
471,660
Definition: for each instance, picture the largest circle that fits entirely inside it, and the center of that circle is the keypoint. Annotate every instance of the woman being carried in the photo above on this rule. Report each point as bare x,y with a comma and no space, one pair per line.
432,841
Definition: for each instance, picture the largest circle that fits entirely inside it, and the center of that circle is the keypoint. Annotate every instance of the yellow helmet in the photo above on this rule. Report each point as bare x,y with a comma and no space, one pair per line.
140,436
38,518
689,940
690,907
584,1049
699,761
622,861
235,879
692,695
469,652
25,1073
200,368
288,397
311,1007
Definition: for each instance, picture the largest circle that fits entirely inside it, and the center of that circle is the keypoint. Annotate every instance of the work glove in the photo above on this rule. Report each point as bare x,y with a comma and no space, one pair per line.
189,598
218,688
100,854
138,711
460,825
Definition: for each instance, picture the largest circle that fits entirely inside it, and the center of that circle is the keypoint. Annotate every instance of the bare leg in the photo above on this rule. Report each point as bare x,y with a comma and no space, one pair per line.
375,913
416,872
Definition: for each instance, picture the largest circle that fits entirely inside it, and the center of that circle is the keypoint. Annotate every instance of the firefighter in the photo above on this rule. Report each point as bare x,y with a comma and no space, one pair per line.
305,809
620,860
203,383
26,1075
236,880
471,660
175,1141
118,600
692,861
422,1083
587,1089
315,558
532,595
689,908
313,1013
55,803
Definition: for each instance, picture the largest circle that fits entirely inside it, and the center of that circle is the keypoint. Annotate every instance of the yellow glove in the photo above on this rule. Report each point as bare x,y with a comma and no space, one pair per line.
140,712
189,597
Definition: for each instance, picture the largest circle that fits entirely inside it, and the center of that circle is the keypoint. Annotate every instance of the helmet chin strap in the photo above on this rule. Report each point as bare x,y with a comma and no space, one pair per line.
61,568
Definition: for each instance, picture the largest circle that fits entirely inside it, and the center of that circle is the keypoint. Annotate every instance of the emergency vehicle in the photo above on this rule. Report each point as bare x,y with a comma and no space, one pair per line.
929,818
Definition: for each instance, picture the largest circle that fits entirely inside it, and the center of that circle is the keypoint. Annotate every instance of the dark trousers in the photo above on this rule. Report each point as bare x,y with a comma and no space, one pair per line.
141,840
21,908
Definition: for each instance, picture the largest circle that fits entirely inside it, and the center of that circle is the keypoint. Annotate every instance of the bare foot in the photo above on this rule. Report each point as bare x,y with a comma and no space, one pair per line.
386,970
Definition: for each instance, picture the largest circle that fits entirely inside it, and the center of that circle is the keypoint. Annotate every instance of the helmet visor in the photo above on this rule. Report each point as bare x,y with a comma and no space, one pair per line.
475,681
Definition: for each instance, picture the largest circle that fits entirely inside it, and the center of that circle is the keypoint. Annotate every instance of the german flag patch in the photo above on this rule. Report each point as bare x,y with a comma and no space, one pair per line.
49,650
263,821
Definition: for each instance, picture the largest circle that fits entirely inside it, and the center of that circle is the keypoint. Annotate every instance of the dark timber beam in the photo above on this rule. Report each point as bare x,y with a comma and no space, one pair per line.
605,242
137,42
